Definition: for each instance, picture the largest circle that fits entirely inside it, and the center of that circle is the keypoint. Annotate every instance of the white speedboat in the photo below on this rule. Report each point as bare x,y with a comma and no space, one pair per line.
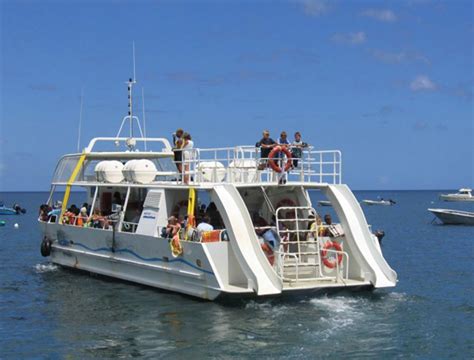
324,203
461,195
261,243
454,217
379,202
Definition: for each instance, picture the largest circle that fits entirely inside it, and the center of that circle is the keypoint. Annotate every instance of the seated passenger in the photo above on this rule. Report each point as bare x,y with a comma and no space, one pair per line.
98,221
172,228
323,230
205,225
82,217
214,216
317,228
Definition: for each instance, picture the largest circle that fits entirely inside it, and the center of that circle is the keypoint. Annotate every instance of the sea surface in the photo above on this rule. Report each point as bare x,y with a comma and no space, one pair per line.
49,312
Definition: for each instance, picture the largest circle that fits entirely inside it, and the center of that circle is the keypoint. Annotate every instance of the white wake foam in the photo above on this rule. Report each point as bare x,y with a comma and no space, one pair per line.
44,268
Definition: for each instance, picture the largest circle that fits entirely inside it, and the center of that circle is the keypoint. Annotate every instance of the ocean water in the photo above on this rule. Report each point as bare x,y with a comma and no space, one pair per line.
50,312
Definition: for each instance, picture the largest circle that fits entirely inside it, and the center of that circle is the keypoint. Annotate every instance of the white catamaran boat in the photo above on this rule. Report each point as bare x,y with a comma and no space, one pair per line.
263,239
461,195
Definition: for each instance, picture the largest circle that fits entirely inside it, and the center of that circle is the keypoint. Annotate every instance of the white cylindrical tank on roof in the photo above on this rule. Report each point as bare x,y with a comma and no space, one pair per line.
211,171
128,170
109,171
140,171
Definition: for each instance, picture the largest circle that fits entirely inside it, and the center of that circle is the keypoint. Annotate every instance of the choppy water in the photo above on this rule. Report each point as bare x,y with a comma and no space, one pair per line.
50,312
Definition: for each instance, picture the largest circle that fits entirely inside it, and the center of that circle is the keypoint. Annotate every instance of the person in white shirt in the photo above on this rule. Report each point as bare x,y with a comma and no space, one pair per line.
205,225
187,155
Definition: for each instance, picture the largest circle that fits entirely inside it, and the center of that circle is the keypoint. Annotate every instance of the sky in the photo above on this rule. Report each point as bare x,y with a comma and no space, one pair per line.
389,83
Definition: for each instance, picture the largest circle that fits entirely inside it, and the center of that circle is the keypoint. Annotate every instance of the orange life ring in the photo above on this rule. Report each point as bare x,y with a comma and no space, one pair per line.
324,253
268,253
175,245
271,159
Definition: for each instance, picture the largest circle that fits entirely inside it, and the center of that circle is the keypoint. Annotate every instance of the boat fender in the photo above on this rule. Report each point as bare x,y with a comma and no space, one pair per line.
175,245
268,251
324,253
46,247
271,159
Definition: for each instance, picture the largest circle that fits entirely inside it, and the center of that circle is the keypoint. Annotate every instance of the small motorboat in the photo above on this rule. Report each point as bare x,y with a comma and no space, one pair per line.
324,203
15,210
461,195
383,202
454,217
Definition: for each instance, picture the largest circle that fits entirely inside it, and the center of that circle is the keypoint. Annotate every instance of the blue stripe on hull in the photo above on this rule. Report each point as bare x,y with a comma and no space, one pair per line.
154,259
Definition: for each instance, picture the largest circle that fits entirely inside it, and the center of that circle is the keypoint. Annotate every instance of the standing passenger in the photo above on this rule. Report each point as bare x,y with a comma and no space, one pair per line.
297,148
187,155
266,144
178,143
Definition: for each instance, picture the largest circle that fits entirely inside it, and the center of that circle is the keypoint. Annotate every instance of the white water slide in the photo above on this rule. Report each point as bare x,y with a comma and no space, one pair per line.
244,242
362,244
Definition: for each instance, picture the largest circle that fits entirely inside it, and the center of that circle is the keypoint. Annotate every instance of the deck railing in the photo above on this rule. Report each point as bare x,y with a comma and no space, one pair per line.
244,164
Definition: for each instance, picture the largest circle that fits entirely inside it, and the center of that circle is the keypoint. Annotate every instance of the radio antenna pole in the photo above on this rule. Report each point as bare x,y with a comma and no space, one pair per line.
80,122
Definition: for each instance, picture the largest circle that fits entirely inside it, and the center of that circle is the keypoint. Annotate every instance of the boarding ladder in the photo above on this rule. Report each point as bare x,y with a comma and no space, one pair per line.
298,256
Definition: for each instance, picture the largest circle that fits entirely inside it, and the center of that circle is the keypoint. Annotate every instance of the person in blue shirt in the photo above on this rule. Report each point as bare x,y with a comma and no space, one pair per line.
266,144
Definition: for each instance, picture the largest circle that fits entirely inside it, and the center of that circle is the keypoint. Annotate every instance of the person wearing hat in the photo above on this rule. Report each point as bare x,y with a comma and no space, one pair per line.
178,143
265,144
82,217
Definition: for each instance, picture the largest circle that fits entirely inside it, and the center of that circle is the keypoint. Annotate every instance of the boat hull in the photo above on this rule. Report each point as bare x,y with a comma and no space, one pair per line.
456,198
141,259
205,270
452,217
7,211
373,203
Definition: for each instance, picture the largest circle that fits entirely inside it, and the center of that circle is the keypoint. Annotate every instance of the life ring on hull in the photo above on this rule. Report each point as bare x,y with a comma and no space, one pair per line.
324,254
46,247
271,159
175,245
267,250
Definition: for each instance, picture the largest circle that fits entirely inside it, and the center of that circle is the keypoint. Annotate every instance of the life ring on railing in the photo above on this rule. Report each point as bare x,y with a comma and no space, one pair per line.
175,245
267,250
324,253
271,160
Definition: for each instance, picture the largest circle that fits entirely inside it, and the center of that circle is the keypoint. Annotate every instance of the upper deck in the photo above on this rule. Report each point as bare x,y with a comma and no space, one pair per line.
239,165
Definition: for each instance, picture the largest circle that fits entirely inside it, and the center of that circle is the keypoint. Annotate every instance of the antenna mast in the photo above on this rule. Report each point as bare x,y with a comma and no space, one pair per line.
144,118
130,117
80,121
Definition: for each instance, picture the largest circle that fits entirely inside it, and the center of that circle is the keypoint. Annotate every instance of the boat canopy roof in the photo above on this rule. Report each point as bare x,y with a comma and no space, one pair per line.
465,190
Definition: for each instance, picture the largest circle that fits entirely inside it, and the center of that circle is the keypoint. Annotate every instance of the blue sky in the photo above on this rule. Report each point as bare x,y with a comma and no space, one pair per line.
388,83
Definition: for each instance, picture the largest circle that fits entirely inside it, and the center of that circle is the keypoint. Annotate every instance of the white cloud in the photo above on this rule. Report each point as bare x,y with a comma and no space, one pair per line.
350,38
422,83
314,7
399,57
384,15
